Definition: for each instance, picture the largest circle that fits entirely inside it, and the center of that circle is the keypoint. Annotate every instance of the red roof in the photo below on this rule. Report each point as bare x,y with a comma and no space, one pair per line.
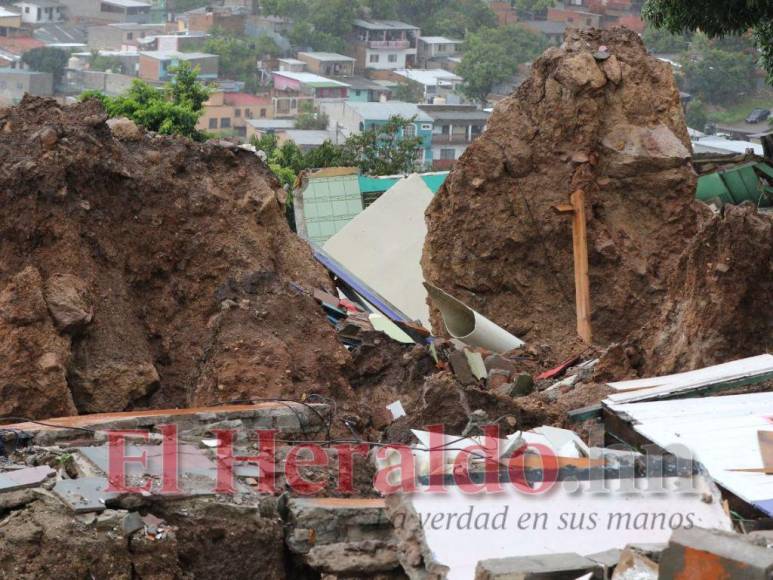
19,44
244,100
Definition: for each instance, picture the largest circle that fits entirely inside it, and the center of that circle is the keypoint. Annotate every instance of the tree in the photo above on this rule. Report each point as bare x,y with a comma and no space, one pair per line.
47,59
719,77
532,7
662,41
99,62
492,56
308,118
175,110
239,55
457,18
385,149
717,19
696,116
409,92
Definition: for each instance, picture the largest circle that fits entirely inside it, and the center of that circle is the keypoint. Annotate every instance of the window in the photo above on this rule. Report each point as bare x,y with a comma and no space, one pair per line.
373,58
213,123
358,93
426,127
26,9
448,154
263,113
409,130
392,58
129,35
225,123
237,112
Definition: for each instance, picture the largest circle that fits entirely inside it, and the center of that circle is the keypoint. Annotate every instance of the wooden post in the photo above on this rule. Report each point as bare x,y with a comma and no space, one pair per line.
576,208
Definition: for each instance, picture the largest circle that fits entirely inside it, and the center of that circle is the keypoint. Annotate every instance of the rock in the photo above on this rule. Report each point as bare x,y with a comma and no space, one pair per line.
497,361
125,129
461,367
633,565
580,71
497,378
523,385
354,558
538,567
68,302
33,356
48,137
612,69
113,385
131,522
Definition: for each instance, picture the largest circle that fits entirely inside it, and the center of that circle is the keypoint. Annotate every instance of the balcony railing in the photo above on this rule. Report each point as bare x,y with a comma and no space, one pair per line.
440,139
393,44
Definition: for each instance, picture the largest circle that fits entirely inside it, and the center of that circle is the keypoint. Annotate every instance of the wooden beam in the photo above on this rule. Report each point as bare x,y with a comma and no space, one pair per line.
581,279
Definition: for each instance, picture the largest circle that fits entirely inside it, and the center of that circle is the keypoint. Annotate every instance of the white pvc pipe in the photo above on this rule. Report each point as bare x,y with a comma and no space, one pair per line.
467,325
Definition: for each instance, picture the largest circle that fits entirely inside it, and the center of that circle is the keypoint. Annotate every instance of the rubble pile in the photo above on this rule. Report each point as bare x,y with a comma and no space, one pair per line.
601,115
148,271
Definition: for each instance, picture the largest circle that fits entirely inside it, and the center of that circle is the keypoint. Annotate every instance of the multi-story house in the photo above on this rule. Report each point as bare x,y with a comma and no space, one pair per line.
383,44
432,51
230,113
454,128
291,89
156,65
107,10
41,11
349,118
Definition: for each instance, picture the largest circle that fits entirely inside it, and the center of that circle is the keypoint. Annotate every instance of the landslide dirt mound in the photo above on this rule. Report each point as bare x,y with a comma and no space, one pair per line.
602,115
148,271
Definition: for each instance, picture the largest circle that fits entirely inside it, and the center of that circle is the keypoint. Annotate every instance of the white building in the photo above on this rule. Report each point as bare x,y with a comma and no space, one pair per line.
41,11
435,82
384,44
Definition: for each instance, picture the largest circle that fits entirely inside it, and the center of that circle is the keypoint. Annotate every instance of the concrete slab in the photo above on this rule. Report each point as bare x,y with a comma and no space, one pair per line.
84,495
554,566
26,477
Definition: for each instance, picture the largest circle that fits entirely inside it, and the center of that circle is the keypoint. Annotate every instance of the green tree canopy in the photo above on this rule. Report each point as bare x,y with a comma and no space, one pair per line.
99,62
717,19
384,150
719,77
175,110
46,59
308,118
492,56
239,55
659,40
457,18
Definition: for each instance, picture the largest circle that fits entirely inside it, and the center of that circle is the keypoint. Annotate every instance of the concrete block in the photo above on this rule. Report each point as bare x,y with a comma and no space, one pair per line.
699,554
354,558
553,566
461,367
634,565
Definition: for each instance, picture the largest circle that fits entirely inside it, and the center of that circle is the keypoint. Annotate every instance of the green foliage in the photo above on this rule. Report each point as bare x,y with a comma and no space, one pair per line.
409,92
492,56
308,118
239,55
661,41
718,77
532,7
320,24
47,59
696,115
717,19
384,150
104,63
457,18
172,111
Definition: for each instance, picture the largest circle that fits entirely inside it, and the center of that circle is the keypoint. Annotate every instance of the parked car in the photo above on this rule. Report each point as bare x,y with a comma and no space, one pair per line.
758,116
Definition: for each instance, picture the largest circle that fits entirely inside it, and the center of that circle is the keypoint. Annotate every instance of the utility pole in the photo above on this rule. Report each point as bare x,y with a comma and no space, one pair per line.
576,208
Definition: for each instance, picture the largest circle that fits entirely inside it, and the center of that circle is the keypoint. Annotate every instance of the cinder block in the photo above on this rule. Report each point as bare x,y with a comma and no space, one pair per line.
699,554
552,566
